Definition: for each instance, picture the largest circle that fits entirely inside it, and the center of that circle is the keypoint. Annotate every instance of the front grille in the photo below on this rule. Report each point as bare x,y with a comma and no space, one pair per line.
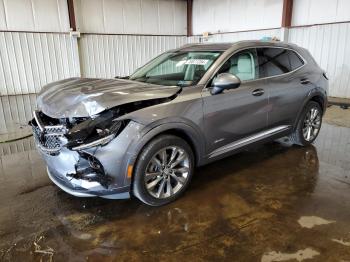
48,138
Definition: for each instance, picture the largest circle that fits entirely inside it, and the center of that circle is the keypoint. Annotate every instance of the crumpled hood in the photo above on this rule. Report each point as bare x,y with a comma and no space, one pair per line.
83,97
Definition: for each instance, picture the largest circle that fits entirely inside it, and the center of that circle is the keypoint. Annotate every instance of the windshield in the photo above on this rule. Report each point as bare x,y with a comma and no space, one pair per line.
178,68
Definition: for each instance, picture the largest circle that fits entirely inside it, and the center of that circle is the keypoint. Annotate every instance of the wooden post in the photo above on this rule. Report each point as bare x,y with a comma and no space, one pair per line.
287,13
71,15
189,17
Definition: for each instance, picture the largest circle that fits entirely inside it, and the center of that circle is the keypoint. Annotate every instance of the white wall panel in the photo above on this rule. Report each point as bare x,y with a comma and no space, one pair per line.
15,112
132,16
151,24
3,23
329,46
7,149
235,15
34,15
180,17
157,17
119,55
30,60
306,12
113,17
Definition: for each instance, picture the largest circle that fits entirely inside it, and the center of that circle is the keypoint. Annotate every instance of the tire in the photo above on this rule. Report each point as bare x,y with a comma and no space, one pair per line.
151,170
299,137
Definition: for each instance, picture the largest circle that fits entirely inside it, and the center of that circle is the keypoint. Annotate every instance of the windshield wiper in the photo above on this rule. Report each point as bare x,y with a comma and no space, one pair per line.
141,78
122,77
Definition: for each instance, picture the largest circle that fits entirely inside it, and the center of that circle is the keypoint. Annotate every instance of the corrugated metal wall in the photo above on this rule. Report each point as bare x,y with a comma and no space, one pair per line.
30,60
14,147
15,111
119,55
329,44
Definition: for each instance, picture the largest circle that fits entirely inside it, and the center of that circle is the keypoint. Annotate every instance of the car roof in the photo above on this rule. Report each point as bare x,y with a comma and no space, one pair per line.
238,44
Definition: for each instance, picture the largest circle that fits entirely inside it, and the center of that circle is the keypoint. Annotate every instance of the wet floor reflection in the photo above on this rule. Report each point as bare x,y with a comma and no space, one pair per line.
244,207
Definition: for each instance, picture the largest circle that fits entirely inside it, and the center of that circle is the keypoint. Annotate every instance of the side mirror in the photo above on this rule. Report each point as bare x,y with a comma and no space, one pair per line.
224,81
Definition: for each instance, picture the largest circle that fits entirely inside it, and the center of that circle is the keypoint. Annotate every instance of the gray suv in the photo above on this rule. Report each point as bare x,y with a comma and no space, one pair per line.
145,134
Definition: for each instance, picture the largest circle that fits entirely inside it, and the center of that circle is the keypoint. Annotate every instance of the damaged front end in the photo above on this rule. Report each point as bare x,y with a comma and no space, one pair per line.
83,133
80,154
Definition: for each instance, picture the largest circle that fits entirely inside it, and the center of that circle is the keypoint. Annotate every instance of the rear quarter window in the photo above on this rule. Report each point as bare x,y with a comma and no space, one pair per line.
274,61
295,60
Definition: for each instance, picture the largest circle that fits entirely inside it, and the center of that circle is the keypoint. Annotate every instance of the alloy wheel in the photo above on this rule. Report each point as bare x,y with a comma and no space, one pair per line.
167,172
312,124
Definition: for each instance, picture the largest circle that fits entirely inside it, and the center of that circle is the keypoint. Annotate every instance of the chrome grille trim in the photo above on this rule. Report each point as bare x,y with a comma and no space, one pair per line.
43,127
49,139
38,120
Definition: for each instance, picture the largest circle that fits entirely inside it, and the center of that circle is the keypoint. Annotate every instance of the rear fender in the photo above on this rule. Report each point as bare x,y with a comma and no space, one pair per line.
313,93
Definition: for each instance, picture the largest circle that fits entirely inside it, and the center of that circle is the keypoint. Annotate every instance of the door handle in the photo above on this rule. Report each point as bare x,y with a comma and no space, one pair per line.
258,92
304,81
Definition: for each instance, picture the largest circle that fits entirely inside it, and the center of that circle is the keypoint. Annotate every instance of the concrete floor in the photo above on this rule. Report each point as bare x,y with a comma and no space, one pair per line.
275,203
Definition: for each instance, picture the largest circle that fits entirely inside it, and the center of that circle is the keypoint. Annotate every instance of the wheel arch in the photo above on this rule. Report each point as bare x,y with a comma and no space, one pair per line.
183,130
320,100
317,97
188,138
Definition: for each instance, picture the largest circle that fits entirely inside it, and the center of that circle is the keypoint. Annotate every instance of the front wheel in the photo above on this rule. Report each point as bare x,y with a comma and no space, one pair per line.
308,126
163,170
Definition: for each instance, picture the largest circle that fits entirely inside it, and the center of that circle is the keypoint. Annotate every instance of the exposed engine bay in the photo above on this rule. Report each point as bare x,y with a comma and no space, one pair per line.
78,133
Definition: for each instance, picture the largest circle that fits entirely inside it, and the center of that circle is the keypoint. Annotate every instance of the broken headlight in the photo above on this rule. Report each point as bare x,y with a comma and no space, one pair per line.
99,142
93,132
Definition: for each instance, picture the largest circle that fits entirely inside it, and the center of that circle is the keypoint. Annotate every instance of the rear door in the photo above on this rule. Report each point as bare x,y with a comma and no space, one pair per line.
285,86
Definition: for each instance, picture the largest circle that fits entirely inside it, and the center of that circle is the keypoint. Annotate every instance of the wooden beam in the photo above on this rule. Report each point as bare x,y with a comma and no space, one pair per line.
71,15
287,13
189,17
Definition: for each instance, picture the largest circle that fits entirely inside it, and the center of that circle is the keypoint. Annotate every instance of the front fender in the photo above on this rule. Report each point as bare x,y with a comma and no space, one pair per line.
161,127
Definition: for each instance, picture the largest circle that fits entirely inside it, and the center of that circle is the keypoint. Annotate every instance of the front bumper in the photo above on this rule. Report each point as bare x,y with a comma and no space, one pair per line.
72,170
79,191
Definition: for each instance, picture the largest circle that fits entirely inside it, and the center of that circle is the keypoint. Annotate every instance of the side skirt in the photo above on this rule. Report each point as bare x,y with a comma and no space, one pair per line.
248,140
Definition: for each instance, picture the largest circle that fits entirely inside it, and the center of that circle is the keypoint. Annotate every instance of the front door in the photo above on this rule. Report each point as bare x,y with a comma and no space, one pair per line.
234,116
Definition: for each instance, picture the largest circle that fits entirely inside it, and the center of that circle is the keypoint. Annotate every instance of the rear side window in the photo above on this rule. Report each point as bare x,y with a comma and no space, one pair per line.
295,60
277,61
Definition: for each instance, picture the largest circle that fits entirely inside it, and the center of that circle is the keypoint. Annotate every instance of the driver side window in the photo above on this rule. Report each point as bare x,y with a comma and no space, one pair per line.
243,64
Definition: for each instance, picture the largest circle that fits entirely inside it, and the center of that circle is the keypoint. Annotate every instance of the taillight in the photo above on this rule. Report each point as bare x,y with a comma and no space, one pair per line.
325,75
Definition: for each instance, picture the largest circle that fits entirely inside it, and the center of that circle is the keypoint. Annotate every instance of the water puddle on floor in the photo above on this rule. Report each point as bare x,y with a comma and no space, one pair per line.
273,203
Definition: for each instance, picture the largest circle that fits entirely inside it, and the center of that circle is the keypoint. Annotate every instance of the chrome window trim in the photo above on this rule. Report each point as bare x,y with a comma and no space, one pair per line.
263,78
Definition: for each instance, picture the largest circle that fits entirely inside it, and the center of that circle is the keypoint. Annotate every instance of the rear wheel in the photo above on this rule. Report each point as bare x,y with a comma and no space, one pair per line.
163,170
308,126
